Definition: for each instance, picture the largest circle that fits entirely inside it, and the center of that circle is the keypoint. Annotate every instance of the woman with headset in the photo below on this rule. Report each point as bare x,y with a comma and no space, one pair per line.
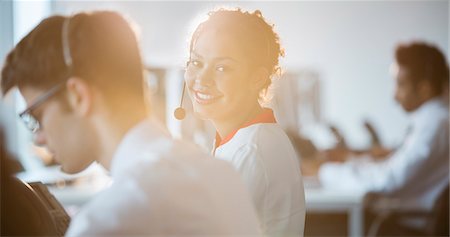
233,56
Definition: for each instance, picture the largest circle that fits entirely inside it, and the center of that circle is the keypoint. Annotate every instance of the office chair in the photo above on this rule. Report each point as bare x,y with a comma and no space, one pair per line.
27,209
383,216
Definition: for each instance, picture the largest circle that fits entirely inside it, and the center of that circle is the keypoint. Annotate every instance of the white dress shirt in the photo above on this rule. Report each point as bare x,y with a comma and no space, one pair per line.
164,187
264,156
416,173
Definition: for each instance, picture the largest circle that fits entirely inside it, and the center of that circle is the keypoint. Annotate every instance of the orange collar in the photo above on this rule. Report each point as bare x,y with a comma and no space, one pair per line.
265,117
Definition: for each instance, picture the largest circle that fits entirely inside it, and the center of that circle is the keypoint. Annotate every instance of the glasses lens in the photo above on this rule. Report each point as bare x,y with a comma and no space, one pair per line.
30,122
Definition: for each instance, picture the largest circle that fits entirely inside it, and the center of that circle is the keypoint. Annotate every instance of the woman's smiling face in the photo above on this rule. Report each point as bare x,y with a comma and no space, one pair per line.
218,77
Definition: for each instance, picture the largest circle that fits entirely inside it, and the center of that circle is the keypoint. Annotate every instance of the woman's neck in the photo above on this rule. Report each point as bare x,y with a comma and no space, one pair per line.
226,126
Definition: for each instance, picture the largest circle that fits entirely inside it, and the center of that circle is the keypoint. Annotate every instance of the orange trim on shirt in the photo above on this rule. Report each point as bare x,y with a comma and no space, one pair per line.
265,117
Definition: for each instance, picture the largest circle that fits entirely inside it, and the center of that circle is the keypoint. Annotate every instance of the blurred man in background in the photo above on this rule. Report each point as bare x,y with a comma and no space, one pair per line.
418,171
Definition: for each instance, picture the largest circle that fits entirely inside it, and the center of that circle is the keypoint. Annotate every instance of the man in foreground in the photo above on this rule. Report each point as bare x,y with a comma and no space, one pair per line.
82,79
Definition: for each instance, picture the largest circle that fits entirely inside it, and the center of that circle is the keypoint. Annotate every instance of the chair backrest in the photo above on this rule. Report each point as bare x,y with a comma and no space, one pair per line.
23,214
383,216
438,224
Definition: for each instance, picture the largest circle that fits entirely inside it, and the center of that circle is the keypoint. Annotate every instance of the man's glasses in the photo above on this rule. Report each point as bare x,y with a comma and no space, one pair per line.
30,121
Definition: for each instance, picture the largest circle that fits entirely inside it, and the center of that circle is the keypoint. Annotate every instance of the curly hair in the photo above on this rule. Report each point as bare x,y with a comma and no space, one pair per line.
256,36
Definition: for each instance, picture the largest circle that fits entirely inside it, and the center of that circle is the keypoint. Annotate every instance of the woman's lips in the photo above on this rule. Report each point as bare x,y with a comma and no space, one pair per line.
204,98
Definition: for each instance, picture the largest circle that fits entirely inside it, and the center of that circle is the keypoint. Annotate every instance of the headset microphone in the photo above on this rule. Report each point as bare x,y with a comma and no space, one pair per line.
179,112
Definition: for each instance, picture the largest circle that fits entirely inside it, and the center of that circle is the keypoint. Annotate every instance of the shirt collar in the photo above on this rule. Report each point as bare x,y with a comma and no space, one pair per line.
137,145
426,108
265,117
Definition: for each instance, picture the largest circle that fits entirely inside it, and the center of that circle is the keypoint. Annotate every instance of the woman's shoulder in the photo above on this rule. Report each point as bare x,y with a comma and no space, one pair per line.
271,149
266,139
261,140
265,131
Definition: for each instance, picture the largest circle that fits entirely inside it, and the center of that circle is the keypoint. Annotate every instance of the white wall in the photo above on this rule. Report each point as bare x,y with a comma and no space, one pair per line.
7,115
349,43
17,19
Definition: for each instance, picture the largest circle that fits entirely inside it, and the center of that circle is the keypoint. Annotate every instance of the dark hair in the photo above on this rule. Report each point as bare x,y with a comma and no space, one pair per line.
102,45
257,37
424,62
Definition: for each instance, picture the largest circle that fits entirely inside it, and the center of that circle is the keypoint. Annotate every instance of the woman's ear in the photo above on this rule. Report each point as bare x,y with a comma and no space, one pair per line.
259,79
80,96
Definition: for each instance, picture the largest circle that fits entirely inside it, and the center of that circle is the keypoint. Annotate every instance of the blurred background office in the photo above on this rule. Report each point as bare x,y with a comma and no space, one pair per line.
335,73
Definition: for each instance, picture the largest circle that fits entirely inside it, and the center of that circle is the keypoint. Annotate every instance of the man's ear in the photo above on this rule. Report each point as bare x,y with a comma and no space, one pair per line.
80,95
425,89
259,79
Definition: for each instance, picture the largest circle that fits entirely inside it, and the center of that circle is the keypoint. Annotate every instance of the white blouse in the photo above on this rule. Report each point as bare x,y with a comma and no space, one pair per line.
264,156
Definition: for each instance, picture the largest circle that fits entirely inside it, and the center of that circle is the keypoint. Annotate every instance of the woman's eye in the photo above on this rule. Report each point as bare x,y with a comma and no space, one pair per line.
221,68
196,63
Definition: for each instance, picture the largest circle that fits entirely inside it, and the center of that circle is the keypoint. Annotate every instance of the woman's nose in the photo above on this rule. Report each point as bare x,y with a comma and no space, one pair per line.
39,138
205,77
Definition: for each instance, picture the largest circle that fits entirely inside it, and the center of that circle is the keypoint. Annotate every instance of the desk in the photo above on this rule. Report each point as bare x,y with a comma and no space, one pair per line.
75,195
70,190
321,200
318,199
